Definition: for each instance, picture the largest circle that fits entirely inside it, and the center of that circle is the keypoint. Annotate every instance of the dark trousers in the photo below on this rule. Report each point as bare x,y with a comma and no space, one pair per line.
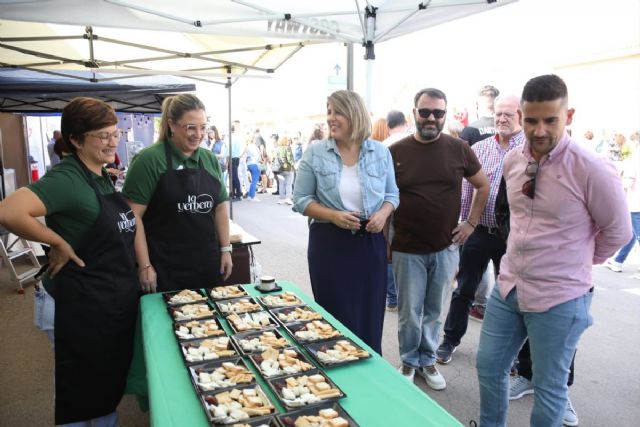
236,191
524,363
349,278
481,247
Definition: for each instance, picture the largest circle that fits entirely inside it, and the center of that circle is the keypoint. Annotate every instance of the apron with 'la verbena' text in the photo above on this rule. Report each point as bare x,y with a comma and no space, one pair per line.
95,315
180,228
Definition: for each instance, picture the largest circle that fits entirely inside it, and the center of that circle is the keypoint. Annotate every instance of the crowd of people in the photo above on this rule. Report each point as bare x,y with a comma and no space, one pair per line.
403,214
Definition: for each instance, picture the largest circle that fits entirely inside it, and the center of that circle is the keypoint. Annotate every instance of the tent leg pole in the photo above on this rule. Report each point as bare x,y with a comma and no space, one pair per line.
230,167
368,94
349,66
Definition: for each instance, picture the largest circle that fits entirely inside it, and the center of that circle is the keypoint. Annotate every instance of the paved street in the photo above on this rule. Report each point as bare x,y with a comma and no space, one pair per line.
606,391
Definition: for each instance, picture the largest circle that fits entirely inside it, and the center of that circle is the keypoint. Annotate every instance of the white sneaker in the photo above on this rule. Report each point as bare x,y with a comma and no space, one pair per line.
613,266
280,201
519,386
288,201
570,415
253,199
407,371
432,377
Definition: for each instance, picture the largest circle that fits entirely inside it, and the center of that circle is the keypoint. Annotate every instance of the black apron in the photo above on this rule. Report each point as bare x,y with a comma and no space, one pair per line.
179,224
95,316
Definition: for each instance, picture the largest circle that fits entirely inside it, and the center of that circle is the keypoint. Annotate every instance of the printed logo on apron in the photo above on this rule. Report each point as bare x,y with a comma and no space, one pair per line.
201,204
127,223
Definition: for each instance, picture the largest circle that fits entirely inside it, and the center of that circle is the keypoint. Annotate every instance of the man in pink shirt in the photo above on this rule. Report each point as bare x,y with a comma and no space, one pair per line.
568,211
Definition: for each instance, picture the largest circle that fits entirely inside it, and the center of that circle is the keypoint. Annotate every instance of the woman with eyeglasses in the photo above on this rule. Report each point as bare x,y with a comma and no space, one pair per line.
92,266
176,191
347,186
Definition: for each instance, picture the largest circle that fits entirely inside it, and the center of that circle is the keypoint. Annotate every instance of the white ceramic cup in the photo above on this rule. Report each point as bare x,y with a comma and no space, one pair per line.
267,283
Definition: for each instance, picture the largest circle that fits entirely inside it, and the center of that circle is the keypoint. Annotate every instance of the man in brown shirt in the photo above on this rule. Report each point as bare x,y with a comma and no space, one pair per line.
429,169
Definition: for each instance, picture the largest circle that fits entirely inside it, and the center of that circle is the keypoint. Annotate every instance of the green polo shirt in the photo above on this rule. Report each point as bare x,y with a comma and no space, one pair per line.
71,203
147,166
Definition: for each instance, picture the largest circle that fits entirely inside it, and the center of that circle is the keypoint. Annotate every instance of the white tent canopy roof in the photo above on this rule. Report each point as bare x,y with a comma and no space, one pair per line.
328,19
252,37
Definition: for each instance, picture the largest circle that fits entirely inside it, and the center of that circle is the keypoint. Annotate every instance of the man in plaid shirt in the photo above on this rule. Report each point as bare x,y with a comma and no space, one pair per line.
484,244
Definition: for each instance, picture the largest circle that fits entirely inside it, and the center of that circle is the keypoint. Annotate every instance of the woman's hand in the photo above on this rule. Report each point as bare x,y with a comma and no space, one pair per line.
148,279
379,218
59,255
347,220
226,265
377,221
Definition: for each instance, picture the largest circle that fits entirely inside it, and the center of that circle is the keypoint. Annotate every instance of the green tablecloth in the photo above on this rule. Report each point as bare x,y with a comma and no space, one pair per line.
377,395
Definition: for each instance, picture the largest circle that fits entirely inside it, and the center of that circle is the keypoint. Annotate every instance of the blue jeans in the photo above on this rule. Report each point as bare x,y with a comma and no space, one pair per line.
44,307
392,295
624,251
423,283
553,338
255,177
285,184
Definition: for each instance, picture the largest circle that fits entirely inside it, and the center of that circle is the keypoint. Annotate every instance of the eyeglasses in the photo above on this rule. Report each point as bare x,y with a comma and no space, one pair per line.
192,129
426,112
105,136
529,187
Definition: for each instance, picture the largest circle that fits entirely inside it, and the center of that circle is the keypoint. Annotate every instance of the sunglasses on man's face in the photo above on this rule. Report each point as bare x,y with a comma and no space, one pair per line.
426,112
529,187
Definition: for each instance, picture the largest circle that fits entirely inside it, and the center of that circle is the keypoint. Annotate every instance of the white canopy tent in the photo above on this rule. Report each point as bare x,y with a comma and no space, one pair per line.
175,37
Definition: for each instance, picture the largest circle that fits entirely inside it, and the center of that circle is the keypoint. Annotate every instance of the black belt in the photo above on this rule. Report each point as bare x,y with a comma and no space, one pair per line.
488,230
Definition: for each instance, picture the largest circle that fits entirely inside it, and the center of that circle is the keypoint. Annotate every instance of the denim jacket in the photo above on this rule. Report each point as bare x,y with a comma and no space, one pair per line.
319,172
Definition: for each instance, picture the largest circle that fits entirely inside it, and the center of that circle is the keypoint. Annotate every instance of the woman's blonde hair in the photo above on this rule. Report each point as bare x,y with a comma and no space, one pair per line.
351,105
174,107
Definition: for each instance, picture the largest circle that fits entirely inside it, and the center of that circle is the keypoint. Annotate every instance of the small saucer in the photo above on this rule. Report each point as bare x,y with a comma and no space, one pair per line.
276,288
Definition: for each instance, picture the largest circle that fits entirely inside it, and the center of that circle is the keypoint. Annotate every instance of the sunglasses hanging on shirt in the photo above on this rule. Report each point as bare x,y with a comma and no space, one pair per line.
529,187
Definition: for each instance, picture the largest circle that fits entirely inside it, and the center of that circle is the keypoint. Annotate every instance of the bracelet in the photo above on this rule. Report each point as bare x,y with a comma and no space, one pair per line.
471,224
145,267
228,249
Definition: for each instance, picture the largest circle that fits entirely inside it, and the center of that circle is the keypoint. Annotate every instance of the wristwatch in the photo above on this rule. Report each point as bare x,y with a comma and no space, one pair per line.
226,249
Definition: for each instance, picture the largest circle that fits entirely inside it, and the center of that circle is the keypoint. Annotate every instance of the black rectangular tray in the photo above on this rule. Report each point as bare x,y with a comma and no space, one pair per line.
288,419
272,323
276,312
168,295
294,327
271,421
220,288
277,384
173,309
256,359
268,302
313,348
237,338
177,325
204,398
222,303
184,345
209,367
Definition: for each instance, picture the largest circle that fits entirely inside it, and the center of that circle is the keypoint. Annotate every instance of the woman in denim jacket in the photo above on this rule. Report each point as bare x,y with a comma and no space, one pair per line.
346,185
